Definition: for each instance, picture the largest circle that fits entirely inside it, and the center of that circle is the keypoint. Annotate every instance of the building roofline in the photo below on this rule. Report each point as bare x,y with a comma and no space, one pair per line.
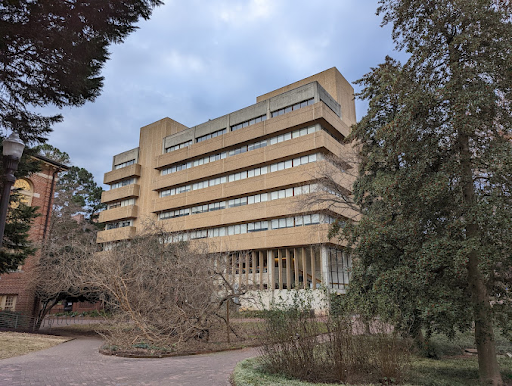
47,160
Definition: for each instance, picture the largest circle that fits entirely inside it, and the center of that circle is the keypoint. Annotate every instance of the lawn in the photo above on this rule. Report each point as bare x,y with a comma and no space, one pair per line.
20,343
453,368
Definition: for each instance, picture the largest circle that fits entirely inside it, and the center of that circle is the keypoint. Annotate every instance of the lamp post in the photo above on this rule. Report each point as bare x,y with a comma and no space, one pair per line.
13,149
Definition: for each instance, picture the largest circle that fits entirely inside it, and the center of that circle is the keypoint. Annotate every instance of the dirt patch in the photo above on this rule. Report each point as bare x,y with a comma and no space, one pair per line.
20,343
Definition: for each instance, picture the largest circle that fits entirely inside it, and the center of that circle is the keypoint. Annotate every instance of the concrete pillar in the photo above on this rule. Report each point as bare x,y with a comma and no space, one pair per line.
313,267
280,268
260,254
304,268
247,269
288,269
296,268
270,269
324,263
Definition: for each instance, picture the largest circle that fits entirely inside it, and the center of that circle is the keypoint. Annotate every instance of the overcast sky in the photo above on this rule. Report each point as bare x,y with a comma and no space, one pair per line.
196,60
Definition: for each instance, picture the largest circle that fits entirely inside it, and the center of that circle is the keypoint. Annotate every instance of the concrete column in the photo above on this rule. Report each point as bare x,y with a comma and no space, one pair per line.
270,269
280,268
313,267
260,253
304,268
254,264
240,269
324,263
288,269
232,261
247,269
296,268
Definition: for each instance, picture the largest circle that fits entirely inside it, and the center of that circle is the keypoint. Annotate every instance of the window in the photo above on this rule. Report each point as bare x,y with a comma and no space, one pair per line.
8,302
293,107
119,204
122,183
124,164
174,213
250,122
178,146
26,190
199,234
119,224
211,135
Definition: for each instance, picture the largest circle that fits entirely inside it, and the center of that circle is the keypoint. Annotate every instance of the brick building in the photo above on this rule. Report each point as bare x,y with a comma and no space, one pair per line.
37,190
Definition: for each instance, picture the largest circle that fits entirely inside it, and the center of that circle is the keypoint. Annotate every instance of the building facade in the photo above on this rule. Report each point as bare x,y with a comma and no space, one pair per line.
16,288
238,183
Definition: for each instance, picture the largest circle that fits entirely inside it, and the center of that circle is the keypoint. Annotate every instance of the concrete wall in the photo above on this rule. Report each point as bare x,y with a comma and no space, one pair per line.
125,157
334,84
263,300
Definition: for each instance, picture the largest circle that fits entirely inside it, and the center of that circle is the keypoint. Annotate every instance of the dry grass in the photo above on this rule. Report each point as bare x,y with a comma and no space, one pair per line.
19,343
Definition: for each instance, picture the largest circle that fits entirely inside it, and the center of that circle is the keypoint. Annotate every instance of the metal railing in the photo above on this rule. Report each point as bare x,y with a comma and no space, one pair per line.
10,320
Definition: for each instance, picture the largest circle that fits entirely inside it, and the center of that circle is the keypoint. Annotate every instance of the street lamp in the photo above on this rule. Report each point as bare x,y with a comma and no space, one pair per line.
13,149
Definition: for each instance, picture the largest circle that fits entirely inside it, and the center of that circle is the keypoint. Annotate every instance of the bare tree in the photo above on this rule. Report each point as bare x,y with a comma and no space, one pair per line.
60,272
161,292
333,180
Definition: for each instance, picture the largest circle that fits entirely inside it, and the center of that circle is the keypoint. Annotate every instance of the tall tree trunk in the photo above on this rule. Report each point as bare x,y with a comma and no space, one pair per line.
484,333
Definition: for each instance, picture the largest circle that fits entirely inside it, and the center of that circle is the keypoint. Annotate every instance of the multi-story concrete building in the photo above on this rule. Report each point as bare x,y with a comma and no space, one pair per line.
238,182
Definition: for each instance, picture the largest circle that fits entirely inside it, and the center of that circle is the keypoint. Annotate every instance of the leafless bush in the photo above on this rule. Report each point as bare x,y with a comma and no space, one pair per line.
162,294
330,349
290,337
376,356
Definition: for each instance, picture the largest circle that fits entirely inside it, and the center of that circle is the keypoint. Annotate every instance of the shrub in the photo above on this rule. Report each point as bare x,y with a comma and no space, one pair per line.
330,349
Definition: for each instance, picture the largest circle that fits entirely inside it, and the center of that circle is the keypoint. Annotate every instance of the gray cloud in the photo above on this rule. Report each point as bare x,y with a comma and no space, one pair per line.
197,60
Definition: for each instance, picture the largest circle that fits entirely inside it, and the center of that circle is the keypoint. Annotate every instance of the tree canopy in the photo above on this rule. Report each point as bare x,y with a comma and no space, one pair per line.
52,53
434,247
82,190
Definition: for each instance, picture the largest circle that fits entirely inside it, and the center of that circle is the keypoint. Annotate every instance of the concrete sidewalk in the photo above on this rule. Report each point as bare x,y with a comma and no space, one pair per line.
78,363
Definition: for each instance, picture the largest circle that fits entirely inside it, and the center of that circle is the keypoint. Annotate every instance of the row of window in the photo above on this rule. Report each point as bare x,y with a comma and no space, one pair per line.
250,122
243,175
211,135
241,125
246,200
119,204
122,183
287,222
243,149
293,107
178,146
119,224
124,164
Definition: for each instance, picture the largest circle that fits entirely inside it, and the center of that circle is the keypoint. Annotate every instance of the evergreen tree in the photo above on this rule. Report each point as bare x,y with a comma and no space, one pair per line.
16,244
52,52
76,187
434,248
86,194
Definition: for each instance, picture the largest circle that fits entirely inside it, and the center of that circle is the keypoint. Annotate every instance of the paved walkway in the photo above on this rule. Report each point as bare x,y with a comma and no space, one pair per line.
78,363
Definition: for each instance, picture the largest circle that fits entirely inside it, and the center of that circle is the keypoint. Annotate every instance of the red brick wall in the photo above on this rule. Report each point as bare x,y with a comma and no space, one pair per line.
19,283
